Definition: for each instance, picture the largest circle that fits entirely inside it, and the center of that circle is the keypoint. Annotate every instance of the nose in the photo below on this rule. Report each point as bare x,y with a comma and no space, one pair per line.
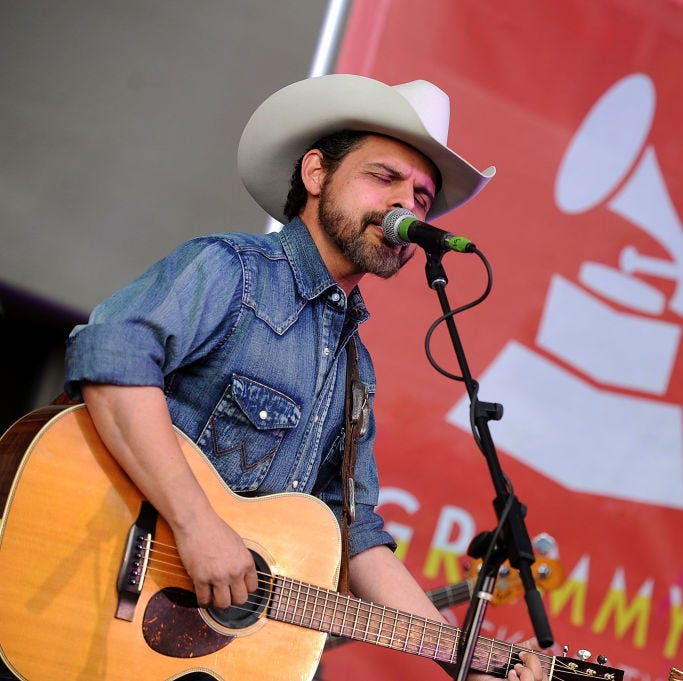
402,196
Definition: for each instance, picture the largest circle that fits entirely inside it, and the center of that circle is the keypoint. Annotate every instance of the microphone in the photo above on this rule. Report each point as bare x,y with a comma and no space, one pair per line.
401,227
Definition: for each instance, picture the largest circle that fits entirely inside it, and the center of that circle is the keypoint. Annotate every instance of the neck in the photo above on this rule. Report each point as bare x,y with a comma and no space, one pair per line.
344,272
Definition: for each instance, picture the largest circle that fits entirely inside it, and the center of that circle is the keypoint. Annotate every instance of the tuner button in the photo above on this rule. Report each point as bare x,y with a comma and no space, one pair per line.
545,544
544,571
565,649
602,659
583,654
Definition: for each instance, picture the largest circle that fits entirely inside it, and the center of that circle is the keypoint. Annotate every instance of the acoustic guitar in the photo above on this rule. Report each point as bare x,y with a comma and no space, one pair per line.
91,586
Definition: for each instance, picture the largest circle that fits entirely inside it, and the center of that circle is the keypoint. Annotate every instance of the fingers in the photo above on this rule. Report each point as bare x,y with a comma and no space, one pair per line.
529,670
233,590
203,594
251,580
223,595
217,561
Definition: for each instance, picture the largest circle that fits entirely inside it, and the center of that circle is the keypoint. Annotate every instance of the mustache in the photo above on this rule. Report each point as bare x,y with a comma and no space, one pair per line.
374,218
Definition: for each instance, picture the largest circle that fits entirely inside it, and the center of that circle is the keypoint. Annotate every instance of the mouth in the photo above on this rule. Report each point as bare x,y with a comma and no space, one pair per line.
377,229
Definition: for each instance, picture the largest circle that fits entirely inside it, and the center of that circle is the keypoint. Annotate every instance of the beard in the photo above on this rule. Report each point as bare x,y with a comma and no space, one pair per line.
349,235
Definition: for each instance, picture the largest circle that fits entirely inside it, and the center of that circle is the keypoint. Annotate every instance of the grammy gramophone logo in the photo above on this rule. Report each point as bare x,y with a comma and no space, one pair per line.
607,326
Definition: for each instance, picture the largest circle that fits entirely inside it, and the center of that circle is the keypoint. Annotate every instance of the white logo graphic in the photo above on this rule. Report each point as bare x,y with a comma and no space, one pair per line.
588,438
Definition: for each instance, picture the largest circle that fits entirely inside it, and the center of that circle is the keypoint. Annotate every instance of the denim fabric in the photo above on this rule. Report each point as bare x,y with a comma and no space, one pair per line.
246,335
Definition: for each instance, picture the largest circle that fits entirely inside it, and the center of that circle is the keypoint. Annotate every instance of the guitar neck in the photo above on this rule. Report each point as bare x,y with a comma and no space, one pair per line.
451,594
339,614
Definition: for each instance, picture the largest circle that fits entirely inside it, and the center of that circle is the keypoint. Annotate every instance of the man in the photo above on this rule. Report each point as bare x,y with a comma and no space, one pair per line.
240,340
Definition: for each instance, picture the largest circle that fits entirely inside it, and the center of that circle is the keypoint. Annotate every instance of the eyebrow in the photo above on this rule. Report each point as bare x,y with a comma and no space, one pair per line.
393,172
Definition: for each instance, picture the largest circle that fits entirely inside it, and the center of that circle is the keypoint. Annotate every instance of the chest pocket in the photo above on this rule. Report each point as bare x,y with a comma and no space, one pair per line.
246,430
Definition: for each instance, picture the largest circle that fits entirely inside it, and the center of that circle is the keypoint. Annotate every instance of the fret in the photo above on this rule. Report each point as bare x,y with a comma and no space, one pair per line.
368,619
317,609
380,624
355,622
297,599
321,608
275,603
334,614
285,595
292,601
422,637
407,639
438,641
551,669
305,606
488,660
288,602
330,612
346,612
416,635
392,638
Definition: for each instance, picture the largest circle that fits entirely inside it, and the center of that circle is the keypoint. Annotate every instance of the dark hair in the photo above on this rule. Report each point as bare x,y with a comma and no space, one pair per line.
334,148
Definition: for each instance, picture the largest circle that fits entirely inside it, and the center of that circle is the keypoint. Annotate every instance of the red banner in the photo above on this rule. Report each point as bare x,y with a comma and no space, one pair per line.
578,104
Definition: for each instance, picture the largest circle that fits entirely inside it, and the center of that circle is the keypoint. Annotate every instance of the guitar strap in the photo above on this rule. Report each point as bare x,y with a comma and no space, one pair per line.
355,424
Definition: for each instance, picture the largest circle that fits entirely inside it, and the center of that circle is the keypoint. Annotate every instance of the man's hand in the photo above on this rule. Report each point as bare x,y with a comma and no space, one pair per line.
530,668
220,565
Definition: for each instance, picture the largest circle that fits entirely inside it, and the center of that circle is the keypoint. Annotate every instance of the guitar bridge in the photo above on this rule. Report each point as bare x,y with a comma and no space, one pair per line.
134,564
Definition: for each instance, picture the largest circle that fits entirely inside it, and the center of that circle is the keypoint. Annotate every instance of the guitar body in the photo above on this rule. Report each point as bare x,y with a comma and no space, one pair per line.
62,539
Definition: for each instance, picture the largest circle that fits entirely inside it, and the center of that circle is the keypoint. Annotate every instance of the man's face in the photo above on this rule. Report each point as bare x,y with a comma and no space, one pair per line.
377,176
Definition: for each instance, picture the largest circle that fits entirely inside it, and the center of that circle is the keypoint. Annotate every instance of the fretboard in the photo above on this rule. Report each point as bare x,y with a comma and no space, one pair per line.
449,595
339,614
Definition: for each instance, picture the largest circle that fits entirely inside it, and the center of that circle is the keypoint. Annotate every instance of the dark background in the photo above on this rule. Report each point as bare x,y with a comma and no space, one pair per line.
119,125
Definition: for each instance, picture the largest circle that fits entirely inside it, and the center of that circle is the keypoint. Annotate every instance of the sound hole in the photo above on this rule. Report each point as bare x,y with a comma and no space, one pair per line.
240,616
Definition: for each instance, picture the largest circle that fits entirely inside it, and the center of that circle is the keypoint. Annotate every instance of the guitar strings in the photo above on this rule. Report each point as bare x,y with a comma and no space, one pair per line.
409,633
430,639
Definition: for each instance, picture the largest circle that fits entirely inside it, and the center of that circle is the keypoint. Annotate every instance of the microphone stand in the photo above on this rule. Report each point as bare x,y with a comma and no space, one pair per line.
514,542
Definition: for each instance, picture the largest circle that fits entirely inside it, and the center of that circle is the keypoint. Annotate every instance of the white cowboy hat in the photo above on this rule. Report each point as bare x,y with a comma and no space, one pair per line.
292,119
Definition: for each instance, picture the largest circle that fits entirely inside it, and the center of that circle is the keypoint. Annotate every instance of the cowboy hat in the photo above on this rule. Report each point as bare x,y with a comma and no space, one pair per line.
285,126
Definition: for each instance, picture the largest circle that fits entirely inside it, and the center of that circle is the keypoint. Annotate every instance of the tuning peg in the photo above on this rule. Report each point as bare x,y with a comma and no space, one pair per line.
545,545
544,571
602,659
583,654
565,650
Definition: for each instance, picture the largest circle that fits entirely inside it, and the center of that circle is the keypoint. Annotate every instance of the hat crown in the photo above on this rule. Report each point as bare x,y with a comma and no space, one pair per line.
431,104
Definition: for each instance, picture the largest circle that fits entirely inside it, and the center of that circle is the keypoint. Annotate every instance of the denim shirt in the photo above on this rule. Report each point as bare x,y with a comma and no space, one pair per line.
246,334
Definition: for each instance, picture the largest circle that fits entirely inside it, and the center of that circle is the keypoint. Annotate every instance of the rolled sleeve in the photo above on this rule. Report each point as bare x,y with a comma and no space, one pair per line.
113,353
368,531
171,315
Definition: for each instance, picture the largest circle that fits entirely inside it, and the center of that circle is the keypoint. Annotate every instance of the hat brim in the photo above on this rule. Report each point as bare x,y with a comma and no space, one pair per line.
292,119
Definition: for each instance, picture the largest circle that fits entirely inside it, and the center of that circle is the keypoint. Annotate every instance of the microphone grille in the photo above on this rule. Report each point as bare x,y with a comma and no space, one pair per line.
390,225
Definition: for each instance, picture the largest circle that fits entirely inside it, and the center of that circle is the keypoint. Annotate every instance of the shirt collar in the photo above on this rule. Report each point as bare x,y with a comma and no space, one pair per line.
310,273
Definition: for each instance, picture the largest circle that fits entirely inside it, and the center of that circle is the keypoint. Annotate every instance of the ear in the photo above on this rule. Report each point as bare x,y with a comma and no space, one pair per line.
312,172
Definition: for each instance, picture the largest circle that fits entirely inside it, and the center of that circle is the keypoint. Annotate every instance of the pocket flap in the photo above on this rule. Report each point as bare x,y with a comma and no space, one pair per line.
265,407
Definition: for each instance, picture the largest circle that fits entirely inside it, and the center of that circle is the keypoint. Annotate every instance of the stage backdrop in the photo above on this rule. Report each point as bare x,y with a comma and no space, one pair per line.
579,105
